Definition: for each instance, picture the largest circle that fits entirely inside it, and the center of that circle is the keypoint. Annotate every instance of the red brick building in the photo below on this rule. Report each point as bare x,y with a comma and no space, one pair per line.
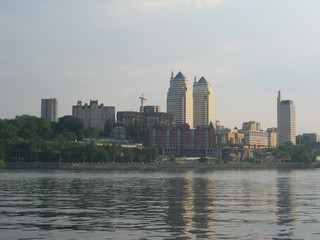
181,140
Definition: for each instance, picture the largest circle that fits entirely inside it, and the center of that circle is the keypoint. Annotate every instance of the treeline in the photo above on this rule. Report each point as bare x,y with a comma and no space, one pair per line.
298,154
37,140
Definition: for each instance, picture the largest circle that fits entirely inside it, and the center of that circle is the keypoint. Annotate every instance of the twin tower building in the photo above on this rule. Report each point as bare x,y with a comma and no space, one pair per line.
197,107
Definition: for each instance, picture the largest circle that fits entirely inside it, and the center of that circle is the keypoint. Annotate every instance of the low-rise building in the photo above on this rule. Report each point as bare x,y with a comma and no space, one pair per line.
260,138
311,137
119,133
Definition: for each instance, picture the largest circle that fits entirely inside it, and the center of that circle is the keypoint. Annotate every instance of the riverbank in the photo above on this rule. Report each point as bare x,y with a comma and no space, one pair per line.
153,166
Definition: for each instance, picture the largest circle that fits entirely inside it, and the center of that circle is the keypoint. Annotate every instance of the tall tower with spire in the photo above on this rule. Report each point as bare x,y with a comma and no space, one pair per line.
286,120
180,100
204,109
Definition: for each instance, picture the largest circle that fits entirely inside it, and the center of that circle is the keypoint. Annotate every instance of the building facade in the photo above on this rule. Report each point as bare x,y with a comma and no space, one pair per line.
252,125
311,137
147,119
49,109
286,116
273,135
259,138
180,100
203,103
93,115
182,140
146,109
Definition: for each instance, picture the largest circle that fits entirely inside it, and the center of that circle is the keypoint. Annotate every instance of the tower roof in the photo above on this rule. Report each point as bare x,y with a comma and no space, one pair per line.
179,75
203,80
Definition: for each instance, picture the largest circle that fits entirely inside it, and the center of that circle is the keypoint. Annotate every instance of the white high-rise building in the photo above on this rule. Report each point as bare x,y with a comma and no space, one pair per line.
203,103
49,109
286,121
180,100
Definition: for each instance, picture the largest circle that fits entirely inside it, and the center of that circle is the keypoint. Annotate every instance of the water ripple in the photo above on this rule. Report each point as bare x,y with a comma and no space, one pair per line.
160,205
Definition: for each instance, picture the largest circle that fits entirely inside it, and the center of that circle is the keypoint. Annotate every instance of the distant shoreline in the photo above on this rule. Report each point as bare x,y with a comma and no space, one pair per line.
153,166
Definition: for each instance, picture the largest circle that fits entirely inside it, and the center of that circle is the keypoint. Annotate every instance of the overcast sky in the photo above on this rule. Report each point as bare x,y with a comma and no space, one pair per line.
114,50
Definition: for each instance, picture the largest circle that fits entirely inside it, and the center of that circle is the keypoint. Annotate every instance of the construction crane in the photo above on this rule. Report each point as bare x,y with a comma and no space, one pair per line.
142,98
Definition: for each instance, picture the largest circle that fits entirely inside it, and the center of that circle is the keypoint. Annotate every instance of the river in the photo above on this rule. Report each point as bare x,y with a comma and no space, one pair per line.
163,204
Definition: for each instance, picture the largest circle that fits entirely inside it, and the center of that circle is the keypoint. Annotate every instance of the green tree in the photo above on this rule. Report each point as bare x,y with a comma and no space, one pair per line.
108,127
70,136
251,160
102,156
172,158
128,155
69,124
304,154
91,132
2,164
203,159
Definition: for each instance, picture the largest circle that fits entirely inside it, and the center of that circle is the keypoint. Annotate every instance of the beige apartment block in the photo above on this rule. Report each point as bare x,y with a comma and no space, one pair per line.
273,135
256,138
203,103
180,100
93,115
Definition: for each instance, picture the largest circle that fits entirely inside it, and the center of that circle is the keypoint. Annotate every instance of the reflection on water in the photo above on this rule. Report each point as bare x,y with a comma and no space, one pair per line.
285,203
160,205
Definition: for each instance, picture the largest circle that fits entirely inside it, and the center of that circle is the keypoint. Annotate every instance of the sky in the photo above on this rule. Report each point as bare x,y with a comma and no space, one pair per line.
115,50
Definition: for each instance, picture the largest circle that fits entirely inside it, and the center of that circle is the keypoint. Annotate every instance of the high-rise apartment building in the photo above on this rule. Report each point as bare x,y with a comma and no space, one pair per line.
49,109
286,121
180,100
203,103
93,115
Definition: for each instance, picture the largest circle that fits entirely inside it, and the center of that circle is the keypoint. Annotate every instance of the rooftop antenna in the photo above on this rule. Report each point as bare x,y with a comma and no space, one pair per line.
195,79
142,98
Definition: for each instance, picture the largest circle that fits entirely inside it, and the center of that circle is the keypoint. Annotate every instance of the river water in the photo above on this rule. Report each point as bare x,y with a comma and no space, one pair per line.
164,204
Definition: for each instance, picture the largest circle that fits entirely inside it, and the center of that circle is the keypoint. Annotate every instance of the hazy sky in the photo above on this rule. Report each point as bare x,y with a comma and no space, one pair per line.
115,50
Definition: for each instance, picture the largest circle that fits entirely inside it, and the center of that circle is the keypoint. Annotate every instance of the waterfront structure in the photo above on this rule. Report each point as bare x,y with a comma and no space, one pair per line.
180,100
203,103
286,120
93,115
49,109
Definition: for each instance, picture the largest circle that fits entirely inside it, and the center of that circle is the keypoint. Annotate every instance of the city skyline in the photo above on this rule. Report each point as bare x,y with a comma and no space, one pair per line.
114,51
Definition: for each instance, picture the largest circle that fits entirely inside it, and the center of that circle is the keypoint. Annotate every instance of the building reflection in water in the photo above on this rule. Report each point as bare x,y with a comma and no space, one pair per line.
191,214
204,191
285,211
